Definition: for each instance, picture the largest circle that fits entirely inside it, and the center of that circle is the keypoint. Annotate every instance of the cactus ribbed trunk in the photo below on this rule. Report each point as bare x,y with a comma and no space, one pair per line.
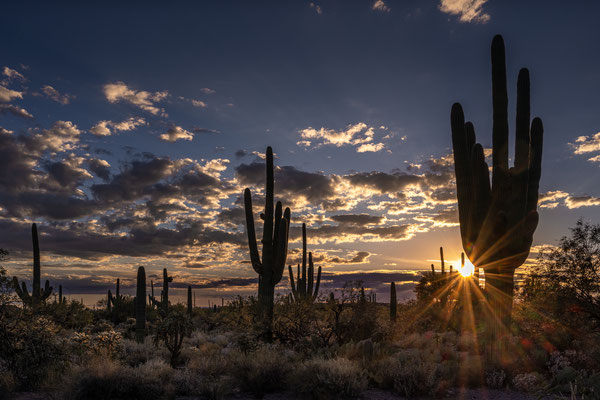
303,290
36,267
393,302
140,306
189,300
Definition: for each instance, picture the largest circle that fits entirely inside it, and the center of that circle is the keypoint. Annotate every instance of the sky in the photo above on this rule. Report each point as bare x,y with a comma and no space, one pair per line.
128,132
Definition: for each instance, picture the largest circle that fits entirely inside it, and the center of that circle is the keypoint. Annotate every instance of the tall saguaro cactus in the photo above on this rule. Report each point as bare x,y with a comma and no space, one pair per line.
37,294
140,306
274,245
393,302
497,222
303,289
190,307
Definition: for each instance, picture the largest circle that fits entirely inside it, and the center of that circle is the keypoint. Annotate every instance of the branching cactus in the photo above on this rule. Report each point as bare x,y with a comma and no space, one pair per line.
140,306
305,289
497,222
115,301
274,245
163,304
37,295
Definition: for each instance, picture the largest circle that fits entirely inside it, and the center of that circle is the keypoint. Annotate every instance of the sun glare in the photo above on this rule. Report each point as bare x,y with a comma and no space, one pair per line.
467,269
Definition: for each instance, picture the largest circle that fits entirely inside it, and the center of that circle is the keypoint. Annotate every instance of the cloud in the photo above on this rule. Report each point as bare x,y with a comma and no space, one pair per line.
588,144
357,219
467,10
379,5
316,7
207,90
198,103
103,128
54,94
370,147
582,201
119,91
63,136
11,74
205,130
14,110
553,199
8,95
359,134
175,133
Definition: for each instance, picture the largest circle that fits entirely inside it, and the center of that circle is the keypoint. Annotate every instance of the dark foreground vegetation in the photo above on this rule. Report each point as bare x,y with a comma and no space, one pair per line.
335,347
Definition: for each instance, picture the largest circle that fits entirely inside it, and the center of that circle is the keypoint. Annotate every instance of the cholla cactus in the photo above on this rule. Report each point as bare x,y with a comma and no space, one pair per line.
37,295
274,245
303,289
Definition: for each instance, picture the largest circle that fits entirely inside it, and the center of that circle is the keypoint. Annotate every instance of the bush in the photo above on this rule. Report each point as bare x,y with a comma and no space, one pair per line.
333,378
264,371
530,382
103,378
205,376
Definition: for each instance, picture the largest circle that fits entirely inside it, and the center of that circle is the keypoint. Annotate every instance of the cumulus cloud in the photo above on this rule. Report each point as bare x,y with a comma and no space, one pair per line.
360,135
11,74
588,144
198,103
55,95
103,128
15,110
176,133
8,95
379,5
207,90
119,91
555,198
466,10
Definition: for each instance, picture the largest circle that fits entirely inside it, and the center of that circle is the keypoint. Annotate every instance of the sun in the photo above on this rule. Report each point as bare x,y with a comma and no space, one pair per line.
467,267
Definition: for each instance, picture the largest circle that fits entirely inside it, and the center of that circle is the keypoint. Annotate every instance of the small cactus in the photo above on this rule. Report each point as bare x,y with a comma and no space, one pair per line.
38,295
303,290
163,304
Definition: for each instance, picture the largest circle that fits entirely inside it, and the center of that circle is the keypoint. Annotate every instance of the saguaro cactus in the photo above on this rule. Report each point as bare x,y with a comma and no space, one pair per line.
303,289
61,299
163,304
189,300
37,294
274,245
140,306
497,223
393,302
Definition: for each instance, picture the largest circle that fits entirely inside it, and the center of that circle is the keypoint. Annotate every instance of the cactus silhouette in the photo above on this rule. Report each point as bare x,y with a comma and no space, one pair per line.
393,302
37,295
189,301
163,304
140,306
497,223
274,245
61,299
303,289
115,302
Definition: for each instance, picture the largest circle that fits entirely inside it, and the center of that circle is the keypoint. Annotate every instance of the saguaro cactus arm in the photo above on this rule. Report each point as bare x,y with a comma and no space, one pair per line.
254,256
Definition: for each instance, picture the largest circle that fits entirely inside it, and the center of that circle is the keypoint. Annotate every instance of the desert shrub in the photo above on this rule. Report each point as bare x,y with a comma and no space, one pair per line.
495,379
31,349
134,353
264,371
108,344
207,376
106,379
409,373
529,382
332,378
7,384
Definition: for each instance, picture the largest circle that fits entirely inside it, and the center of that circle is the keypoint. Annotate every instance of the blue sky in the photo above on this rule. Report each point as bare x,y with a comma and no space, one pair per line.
134,129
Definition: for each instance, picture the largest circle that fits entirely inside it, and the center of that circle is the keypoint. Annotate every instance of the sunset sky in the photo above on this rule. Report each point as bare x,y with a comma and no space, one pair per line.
128,133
